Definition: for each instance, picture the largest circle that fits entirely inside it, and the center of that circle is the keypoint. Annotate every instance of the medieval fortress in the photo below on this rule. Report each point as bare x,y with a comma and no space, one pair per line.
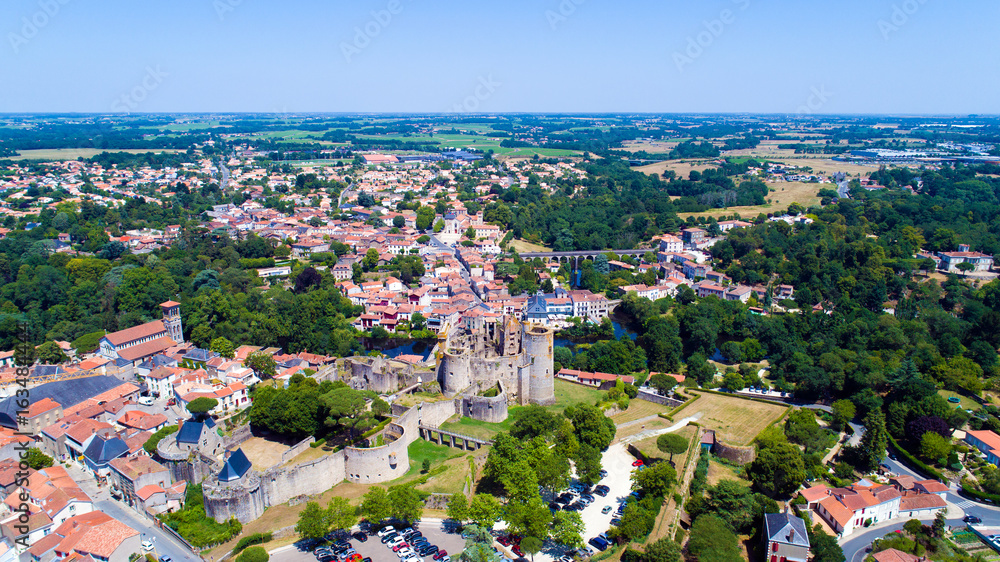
482,366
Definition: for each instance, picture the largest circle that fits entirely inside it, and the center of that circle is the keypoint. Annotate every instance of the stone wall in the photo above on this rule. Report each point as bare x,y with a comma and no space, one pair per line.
297,449
433,414
538,341
493,409
237,437
657,399
738,455
283,483
243,499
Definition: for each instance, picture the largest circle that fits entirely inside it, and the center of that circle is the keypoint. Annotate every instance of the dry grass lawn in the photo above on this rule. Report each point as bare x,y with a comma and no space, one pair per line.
683,168
718,472
781,196
263,454
523,246
638,409
735,420
648,447
658,423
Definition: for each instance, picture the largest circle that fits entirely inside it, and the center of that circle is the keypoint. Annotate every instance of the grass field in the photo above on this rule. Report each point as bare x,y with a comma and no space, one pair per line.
648,446
718,472
74,153
735,420
522,246
456,462
966,402
781,196
683,168
638,409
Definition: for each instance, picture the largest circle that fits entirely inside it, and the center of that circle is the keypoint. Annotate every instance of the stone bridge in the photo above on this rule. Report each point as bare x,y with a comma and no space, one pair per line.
451,439
576,256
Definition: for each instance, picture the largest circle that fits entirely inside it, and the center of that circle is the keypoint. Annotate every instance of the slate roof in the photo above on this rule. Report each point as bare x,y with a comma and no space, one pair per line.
66,393
235,467
102,451
191,431
785,528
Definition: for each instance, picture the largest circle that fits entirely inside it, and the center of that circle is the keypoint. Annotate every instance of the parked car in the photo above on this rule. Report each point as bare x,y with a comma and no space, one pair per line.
147,545
599,543
606,510
440,554
360,537
604,473
638,462
972,519
386,530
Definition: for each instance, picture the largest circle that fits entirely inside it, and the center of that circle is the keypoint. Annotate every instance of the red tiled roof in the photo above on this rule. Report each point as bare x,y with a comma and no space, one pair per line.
137,332
151,347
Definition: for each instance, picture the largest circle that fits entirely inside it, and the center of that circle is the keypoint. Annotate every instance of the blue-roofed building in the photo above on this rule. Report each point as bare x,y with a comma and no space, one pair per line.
786,538
198,355
101,451
235,467
194,435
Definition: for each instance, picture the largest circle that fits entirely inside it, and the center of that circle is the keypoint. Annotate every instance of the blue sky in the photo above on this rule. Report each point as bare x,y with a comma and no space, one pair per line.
820,56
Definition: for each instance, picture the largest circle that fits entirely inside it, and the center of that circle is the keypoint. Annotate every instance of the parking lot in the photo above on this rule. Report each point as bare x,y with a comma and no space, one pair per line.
373,548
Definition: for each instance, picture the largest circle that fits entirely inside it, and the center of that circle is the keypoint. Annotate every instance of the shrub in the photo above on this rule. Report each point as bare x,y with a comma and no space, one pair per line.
250,540
253,554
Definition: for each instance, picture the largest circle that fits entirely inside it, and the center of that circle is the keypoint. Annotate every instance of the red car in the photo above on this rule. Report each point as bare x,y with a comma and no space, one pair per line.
400,546
440,554
638,462
504,541
517,550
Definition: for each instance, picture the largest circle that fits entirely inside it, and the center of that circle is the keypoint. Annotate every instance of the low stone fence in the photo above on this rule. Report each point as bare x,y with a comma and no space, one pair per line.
297,449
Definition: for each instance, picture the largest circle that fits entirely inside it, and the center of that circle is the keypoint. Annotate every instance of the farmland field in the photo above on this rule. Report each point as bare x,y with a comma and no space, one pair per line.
74,153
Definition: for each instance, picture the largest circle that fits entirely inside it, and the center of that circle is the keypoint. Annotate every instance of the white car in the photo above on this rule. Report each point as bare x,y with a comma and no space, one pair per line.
146,400
147,545
405,552
385,531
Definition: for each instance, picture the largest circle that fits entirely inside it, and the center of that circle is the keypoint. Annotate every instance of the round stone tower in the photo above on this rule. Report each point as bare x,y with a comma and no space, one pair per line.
453,373
537,342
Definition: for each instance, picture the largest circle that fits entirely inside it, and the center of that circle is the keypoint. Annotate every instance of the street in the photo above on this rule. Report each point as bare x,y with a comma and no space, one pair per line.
164,544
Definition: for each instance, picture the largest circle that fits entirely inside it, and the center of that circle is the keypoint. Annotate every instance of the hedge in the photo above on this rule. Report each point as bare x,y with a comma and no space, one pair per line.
250,540
968,489
923,467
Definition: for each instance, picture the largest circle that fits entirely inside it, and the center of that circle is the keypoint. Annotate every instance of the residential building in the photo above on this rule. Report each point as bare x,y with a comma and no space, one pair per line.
951,260
988,443
786,538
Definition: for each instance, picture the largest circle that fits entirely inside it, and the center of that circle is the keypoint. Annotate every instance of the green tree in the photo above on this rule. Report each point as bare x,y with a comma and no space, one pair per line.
712,540
843,412
370,261
636,522
399,221
49,353
262,364
934,447
375,505
567,528
223,347
588,463
779,468
871,450
313,522
202,405
663,550
824,547
458,507
341,514
593,427
439,226
530,518
965,267
36,459
656,479
484,510
531,545
406,503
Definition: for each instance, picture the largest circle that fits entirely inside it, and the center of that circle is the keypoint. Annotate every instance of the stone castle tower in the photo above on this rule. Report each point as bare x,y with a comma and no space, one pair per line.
517,356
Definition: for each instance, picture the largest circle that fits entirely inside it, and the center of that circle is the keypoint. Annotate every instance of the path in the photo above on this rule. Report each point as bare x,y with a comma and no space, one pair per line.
654,432
640,420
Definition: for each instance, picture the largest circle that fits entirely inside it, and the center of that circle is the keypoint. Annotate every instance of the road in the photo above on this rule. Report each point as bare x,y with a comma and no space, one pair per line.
164,544
855,544
842,190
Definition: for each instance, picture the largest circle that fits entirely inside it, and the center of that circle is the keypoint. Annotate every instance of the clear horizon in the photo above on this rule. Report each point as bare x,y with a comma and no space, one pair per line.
895,58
